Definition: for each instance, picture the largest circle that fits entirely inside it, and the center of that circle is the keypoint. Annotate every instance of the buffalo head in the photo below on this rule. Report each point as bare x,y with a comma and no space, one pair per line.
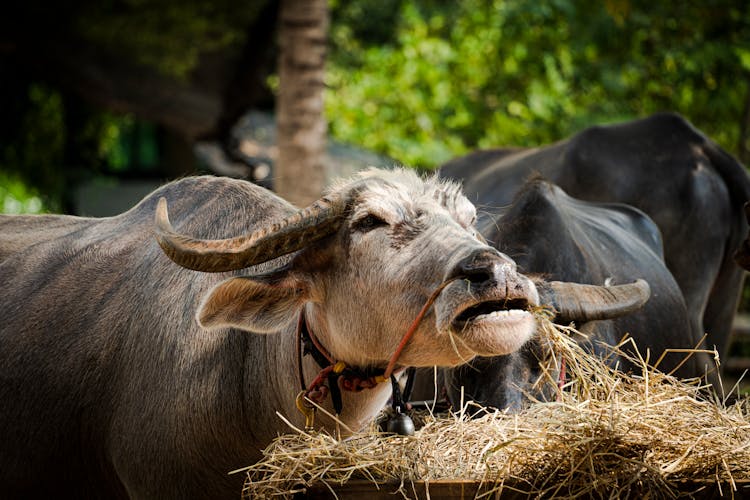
368,255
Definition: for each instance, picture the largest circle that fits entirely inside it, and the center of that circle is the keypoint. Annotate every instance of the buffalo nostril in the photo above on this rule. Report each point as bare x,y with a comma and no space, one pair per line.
477,275
480,266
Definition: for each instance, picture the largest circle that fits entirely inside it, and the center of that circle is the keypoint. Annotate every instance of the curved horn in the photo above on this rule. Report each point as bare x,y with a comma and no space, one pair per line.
280,238
581,303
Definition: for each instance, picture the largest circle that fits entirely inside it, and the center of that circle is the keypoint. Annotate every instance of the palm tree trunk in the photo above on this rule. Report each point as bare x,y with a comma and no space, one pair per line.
300,172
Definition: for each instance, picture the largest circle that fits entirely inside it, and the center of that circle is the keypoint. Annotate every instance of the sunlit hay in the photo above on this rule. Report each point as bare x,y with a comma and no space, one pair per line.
608,434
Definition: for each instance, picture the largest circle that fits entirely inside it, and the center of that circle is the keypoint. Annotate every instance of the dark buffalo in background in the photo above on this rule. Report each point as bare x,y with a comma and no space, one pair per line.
550,234
692,189
687,184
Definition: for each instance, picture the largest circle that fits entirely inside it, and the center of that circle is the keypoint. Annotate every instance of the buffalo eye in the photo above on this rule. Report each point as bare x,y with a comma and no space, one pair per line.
368,223
480,237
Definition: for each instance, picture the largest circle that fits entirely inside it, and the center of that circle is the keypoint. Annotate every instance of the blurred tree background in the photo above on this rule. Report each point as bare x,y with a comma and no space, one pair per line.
123,87
126,87
424,80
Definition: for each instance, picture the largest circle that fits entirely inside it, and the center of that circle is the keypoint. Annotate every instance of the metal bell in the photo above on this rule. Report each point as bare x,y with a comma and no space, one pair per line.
401,424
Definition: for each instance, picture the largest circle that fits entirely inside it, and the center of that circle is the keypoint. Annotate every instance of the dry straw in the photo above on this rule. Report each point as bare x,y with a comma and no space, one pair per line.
609,435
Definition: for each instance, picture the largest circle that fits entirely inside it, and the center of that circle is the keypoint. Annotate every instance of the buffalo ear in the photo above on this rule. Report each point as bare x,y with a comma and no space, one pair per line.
254,304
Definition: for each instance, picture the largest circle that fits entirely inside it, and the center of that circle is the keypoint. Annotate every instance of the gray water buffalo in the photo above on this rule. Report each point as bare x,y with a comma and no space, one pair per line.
550,234
688,185
145,358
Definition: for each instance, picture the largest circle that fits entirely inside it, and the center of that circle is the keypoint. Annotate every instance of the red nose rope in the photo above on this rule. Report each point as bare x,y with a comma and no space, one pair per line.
350,379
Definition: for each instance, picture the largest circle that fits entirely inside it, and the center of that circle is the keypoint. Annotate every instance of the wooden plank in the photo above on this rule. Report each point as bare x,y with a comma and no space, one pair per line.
421,490
453,490
437,490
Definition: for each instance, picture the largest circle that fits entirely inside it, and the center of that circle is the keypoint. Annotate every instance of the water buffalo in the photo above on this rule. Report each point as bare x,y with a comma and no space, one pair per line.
123,374
688,185
549,233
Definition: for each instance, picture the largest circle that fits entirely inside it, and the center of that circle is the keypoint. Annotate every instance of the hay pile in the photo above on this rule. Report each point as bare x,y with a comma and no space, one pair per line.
610,435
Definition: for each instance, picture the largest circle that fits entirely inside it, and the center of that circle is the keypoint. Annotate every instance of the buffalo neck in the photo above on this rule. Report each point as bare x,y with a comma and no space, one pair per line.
273,389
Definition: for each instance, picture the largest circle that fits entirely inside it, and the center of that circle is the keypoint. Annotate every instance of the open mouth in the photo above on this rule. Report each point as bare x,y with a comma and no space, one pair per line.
491,309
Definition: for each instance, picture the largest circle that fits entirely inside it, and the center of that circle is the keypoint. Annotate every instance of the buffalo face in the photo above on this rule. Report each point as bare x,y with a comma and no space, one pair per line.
364,261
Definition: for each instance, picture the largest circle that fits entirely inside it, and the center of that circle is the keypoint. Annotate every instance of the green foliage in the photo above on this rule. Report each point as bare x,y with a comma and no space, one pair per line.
131,145
60,142
33,153
166,35
17,198
51,138
445,77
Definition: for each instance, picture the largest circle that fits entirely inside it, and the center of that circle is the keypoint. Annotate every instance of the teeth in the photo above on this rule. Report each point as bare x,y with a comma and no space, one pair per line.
500,314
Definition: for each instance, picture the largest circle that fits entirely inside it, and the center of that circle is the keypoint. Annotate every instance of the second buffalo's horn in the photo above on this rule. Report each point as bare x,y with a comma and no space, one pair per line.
581,303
